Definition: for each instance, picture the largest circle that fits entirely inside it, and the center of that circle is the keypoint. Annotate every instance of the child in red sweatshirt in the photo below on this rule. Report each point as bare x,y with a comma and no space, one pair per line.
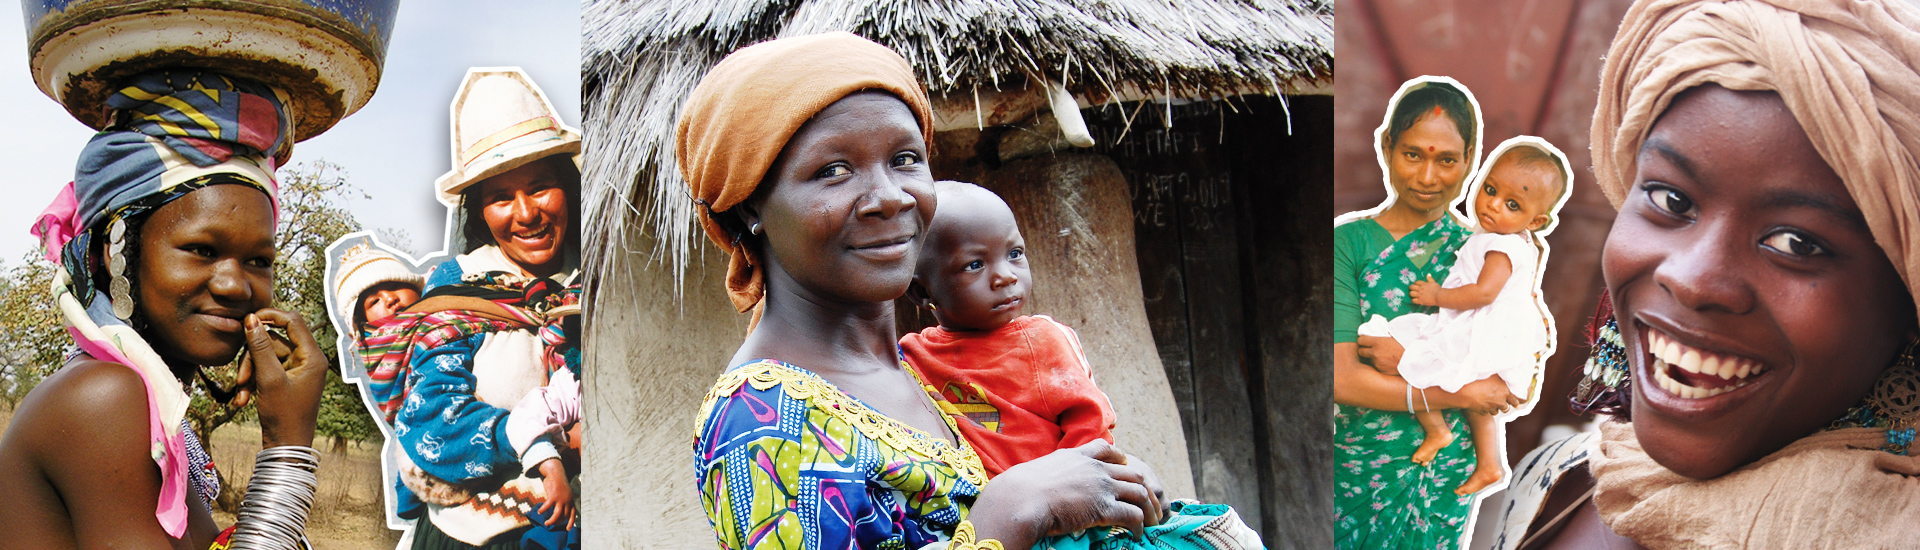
1021,382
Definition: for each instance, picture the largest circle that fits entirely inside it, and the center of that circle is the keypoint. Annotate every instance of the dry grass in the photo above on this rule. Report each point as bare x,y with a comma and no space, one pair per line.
346,512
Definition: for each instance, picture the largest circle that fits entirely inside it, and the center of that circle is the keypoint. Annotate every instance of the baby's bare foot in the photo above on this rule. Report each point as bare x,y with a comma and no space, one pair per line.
1430,447
1484,475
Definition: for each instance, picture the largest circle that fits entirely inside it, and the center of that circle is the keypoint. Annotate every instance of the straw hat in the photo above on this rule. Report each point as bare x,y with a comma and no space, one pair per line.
501,120
361,267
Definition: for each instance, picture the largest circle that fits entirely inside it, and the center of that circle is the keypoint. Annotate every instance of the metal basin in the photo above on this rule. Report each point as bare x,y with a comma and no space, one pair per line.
326,54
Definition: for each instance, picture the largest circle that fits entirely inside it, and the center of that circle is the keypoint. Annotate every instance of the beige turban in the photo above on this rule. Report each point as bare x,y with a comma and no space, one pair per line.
742,113
1846,69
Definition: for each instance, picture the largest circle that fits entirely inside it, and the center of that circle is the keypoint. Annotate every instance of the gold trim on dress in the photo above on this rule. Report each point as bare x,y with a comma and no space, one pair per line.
963,539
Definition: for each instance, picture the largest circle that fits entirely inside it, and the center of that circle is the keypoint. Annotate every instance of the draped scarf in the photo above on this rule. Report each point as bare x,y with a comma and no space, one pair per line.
1832,489
1428,251
174,132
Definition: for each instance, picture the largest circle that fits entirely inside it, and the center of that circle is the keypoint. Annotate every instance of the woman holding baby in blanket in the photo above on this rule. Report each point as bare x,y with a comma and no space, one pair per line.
477,377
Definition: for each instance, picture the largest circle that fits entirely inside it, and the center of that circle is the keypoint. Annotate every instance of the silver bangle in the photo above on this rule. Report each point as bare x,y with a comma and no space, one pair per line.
274,514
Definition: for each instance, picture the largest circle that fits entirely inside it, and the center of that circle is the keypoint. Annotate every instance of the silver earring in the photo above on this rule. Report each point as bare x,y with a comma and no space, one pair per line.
121,292
754,228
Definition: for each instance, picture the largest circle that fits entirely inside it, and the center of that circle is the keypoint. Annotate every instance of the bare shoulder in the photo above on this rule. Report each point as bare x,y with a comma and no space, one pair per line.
107,402
80,443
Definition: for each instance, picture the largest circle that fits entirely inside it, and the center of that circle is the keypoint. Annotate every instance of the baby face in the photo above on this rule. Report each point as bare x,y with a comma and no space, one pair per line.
975,269
1515,197
387,299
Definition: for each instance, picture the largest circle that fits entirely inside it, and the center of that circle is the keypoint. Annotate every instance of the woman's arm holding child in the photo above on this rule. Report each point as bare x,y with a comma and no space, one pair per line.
536,428
1473,295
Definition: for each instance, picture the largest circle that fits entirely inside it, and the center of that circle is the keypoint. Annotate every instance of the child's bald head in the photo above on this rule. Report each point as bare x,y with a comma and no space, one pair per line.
973,266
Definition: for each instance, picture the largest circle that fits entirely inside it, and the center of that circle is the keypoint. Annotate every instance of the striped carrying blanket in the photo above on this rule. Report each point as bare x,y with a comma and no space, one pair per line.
490,302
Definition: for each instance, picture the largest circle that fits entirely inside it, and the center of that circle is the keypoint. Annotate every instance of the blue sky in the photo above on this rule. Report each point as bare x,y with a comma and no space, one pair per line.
392,149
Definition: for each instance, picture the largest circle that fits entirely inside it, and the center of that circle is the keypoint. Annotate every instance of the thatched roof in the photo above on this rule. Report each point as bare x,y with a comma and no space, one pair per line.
643,57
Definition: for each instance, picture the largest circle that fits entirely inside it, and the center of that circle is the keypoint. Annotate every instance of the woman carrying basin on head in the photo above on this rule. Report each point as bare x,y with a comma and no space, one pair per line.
165,250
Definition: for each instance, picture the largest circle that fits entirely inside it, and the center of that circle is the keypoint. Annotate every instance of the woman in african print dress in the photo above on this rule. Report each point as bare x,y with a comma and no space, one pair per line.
809,155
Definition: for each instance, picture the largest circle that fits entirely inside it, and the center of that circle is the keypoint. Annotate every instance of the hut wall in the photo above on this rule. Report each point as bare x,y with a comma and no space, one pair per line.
1282,182
652,360
1232,254
1074,213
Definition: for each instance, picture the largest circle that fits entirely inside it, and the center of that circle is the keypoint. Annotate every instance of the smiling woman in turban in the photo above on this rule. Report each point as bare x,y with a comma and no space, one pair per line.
1757,365
165,249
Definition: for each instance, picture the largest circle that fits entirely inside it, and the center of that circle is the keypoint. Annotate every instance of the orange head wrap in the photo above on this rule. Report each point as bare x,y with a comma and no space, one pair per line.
743,112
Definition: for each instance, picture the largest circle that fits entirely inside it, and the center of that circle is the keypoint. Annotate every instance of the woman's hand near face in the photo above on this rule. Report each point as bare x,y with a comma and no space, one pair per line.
286,379
1066,491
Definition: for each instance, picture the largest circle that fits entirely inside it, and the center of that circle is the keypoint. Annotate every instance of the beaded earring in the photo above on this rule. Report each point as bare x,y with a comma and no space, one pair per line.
1606,371
1893,405
1606,367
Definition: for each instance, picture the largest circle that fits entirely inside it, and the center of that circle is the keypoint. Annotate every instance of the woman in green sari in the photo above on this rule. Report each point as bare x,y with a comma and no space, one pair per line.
1382,499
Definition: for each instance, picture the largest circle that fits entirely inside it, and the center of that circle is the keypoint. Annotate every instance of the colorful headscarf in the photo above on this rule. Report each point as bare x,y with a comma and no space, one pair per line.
174,132
1845,68
743,112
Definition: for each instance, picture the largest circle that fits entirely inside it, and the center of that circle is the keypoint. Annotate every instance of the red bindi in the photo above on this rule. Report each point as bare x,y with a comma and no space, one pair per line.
1429,148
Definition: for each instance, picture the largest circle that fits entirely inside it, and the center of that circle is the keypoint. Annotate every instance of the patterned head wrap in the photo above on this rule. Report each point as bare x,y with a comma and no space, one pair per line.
743,112
174,132
1845,68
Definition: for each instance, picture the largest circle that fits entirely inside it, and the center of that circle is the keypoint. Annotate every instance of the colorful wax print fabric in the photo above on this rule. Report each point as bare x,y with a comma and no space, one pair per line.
786,460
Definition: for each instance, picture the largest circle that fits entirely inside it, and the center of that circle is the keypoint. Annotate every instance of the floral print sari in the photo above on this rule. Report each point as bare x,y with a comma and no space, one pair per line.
1381,498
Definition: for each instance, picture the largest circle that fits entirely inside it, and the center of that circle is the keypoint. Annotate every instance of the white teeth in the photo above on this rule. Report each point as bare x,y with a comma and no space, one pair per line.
1684,391
1667,352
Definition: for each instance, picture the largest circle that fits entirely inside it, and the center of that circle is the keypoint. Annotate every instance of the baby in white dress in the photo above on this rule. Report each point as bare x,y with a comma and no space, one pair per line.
1489,322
